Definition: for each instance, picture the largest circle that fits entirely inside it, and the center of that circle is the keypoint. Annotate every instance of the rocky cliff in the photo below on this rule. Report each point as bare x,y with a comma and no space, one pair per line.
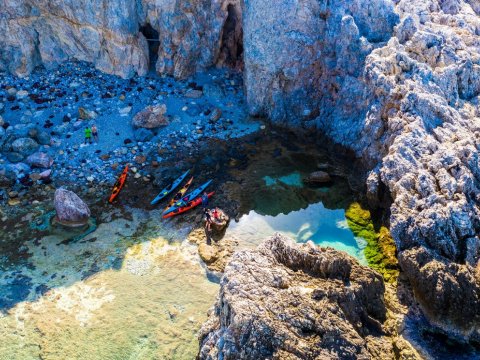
399,83
110,34
396,81
290,301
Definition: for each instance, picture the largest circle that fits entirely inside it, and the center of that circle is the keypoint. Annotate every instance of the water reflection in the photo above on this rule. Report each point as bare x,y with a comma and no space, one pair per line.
323,226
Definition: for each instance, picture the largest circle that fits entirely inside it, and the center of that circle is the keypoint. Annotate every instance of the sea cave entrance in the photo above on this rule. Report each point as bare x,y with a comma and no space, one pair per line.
231,44
153,39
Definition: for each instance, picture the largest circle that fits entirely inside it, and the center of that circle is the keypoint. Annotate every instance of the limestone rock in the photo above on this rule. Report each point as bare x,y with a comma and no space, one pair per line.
290,301
318,177
24,146
151,117
70,209
208,253
86,114
40,160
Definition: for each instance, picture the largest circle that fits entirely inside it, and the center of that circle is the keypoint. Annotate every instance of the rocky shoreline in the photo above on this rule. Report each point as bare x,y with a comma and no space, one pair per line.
396,82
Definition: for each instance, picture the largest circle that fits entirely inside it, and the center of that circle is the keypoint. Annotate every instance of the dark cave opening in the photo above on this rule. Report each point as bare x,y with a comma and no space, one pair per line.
231,46
153,39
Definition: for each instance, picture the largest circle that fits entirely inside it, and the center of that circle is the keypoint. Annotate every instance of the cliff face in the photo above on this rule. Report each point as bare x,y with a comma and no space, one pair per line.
399,83
396,81
290,301
109,34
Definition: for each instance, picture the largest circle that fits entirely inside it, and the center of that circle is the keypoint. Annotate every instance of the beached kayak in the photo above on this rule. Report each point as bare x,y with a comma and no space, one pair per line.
179,194
169,188
187,198
119,184
190,205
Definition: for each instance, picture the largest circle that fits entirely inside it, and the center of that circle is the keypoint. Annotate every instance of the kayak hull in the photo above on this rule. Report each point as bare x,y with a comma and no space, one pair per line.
169,189
190,205
119,185
187,198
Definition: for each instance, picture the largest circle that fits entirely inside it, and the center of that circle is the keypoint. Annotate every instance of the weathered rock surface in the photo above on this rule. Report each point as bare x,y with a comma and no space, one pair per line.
151,117
399,83
109,34
318,177
40,160
290,301
24,146
71,210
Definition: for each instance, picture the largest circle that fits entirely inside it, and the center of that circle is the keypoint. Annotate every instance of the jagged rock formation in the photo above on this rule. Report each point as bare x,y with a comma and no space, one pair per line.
108,34
396,81
399,83
290,301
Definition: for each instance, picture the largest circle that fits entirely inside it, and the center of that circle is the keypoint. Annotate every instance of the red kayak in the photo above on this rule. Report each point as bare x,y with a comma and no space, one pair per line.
190,205
119,184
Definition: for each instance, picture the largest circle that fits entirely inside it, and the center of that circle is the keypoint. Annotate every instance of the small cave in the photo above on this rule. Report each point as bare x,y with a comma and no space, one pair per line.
153,39
231,45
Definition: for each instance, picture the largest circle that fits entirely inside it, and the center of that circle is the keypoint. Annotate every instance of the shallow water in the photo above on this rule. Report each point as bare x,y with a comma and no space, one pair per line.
324,226
133,288
119,293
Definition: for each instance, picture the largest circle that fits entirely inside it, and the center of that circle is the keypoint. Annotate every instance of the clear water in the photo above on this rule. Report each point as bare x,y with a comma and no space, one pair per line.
134,288
314,222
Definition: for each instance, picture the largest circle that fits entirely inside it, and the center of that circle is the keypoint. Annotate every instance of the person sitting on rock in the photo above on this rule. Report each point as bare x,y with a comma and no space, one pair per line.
95,133
88,135
216,214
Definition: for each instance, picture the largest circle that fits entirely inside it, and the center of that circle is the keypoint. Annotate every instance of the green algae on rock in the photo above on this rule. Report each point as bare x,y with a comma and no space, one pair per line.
380,249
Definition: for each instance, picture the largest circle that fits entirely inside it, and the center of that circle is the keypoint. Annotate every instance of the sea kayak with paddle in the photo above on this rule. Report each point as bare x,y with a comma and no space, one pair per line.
119,184
169,188
190,205
187,198
179,194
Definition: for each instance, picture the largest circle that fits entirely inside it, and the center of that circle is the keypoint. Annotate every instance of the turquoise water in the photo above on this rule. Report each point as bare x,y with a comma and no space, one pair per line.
285,205
323,226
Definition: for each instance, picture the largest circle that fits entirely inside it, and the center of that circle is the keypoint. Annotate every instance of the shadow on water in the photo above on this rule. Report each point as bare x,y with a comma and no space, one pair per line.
260,176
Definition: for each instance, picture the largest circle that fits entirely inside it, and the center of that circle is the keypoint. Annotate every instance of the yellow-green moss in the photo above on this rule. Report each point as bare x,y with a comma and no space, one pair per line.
380,249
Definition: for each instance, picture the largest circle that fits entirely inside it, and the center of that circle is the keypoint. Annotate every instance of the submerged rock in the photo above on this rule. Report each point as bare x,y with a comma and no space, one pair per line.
318,177
151,117
70,209
285,300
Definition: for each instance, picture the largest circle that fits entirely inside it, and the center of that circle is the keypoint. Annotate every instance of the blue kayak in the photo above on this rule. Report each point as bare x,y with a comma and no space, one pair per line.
190,196
169,188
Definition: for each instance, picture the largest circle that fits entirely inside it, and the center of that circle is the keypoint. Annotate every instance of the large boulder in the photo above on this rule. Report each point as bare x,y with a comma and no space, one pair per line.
40,160
290,301
70,209
151,117
24,146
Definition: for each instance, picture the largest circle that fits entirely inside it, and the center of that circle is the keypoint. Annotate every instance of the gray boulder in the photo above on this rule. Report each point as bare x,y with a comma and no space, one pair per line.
43,138
7,176
15,157
151,117
24,146
40,160
70,209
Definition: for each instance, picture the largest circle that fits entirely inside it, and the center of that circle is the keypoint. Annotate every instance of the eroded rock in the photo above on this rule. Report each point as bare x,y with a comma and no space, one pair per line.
286,300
